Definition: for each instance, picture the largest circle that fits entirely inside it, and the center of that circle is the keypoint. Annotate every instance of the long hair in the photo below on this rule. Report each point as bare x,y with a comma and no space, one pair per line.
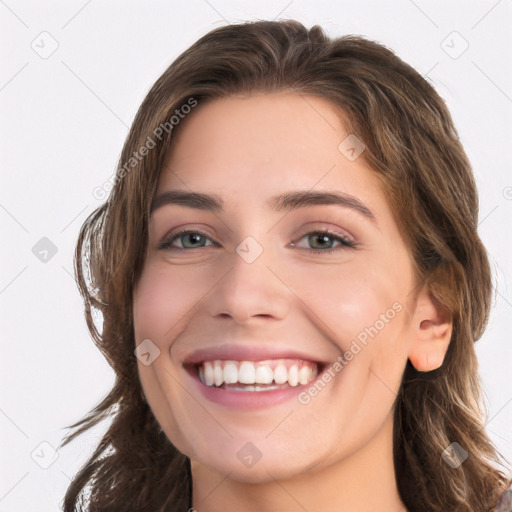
412,146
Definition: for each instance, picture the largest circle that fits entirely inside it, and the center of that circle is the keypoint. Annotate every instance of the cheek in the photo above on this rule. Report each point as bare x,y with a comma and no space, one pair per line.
162,302
350,300
361,309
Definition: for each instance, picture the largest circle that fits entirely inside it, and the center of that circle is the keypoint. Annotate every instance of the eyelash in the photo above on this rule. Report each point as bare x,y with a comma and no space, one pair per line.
166,244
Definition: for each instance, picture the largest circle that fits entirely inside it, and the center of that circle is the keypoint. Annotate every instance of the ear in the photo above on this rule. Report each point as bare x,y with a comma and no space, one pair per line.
431,331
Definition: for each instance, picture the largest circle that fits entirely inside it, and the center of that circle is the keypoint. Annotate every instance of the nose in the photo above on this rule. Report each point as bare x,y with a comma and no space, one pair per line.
251,290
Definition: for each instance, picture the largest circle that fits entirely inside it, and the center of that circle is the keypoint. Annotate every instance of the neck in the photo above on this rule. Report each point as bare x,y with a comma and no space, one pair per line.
363,481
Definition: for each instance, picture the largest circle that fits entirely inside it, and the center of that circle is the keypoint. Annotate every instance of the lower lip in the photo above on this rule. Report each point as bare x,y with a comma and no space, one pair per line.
250,400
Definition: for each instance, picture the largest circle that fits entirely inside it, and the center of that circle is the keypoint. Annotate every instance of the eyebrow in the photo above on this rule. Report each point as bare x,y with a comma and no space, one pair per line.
212,203
282,202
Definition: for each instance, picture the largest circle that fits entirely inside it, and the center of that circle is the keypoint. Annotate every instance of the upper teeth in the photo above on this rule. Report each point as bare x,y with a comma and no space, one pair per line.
293,371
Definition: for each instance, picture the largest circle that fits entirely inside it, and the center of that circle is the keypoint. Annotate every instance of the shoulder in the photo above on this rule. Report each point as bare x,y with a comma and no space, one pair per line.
504,503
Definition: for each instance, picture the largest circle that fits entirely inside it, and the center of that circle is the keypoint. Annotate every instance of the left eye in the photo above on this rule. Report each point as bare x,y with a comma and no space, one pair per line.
188,240
324,240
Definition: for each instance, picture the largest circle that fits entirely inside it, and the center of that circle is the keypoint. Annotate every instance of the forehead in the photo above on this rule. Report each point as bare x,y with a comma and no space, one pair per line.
253,147
259,126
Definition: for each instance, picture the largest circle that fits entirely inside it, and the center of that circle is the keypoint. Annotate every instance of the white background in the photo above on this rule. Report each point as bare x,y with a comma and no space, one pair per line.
63,122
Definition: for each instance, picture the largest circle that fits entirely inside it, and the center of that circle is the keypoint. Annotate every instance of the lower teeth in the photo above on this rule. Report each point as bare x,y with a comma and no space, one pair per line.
234,387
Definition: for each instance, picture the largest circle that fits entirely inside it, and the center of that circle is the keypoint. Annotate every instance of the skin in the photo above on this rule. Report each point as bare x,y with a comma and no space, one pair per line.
335,452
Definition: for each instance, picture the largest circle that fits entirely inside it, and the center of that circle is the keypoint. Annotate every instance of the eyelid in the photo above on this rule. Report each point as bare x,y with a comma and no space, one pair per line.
346,242
326,225
168,239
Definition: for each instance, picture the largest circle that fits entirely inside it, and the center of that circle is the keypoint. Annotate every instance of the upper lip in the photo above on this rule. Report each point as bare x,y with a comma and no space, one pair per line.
246,353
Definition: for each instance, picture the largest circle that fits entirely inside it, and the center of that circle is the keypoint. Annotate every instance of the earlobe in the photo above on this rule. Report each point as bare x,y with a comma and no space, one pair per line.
427,360
432,329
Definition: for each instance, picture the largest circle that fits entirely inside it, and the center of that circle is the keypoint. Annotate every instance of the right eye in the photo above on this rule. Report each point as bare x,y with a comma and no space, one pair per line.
186,239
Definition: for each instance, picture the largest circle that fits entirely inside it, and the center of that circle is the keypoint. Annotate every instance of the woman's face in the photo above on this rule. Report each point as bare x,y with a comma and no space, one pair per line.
276,330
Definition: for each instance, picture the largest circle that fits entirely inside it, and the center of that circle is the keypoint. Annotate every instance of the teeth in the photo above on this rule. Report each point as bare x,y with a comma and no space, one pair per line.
293,375
280,374
218,374
265,373
208,374
230,373
304,375
246,373
254,388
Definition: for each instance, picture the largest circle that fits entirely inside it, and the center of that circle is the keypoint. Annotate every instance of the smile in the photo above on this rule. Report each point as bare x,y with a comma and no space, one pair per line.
256,376
249,377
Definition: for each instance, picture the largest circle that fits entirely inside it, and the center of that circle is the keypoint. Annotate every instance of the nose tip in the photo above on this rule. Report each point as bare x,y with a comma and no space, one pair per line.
250,290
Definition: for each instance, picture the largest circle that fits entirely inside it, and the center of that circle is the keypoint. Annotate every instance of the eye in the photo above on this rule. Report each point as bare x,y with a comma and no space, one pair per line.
324,241
319,241
187,239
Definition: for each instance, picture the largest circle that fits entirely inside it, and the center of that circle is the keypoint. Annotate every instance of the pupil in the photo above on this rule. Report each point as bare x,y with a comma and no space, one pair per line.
322,239
193,239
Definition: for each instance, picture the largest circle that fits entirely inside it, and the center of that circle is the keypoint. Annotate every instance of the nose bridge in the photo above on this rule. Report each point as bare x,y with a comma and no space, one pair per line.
250,288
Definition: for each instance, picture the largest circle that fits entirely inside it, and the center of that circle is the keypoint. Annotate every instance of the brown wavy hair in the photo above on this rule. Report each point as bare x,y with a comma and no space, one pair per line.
412,145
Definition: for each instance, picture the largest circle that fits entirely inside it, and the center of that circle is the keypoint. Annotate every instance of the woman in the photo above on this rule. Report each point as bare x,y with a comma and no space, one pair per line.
290,250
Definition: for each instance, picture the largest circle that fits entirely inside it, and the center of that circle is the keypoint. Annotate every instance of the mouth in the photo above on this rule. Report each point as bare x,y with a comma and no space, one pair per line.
255,376
251,377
